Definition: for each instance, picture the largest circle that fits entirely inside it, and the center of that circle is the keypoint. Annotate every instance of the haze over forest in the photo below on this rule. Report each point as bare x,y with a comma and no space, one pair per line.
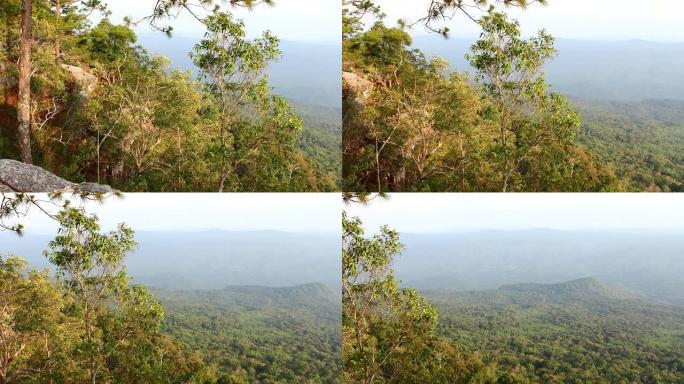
214,259
238,304
650,262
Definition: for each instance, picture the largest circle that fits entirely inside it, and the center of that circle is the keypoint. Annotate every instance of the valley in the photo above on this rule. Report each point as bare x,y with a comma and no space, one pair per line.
259,334
571,332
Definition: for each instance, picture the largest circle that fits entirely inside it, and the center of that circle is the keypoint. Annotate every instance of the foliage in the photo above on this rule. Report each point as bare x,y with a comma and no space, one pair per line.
105,110
388,332
416,127
581,331
644,142
260,334
89,324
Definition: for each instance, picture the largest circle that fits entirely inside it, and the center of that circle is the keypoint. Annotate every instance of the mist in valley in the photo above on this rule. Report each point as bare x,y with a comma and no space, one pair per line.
650,262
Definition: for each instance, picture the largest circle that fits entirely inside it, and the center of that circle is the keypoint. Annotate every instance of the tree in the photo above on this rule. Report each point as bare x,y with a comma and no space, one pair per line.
535,148
354,11
91,266
388,332
169,9
32,326
59,6
233,69
379,319
256,132
24,101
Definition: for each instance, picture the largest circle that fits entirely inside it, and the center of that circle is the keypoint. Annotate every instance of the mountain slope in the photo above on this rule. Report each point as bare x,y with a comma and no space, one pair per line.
573,332
265,334
643,141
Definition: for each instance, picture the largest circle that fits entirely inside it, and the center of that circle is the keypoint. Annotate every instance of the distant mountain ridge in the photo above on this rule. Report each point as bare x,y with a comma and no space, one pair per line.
632,70
314,296
571,292
214,259
648,262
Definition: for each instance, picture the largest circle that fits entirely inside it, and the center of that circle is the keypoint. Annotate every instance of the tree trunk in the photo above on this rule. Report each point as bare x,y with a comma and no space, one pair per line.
58,33
24,102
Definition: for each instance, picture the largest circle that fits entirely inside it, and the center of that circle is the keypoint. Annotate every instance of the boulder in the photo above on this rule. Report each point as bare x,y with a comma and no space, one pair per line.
16,176
356,83
84,79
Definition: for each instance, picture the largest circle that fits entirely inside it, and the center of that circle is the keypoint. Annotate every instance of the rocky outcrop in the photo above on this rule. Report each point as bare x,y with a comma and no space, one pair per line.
361,87
86,81
16,176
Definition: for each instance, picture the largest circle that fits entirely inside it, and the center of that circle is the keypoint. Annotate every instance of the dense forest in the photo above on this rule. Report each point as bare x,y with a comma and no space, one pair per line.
89,104
389,332
262,335
643,141
86,323
582,331
578,331
83,319
415,123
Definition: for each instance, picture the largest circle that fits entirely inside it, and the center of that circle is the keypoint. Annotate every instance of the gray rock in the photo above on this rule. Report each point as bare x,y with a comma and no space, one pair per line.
361,87
85,80
16,176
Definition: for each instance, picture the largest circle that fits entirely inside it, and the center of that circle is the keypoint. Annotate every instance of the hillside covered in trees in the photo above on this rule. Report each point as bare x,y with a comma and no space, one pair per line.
494,121
578,331
642,141
260,334
88,103
78,316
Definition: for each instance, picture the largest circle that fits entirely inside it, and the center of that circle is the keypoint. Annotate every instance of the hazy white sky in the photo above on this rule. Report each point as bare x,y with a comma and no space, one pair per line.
289,212
659,20
447,212
298,20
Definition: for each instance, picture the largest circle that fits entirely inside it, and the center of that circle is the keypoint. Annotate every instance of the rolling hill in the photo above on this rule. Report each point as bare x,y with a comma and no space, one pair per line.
646,261
579,331
260,334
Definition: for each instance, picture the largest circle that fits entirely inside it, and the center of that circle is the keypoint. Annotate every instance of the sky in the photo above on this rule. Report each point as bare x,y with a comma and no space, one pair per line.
288,212
460,212
296,20
655,20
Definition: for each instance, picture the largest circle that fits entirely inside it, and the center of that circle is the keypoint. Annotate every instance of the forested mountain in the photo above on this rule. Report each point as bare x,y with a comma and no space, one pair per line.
504,312
90,103
647,261
214,259
321,137
74,313
577,331
260,334
643,141
506,112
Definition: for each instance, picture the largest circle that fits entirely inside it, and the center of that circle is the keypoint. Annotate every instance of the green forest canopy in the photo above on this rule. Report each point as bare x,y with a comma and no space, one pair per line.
87,322
578,331
104,110
411,123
